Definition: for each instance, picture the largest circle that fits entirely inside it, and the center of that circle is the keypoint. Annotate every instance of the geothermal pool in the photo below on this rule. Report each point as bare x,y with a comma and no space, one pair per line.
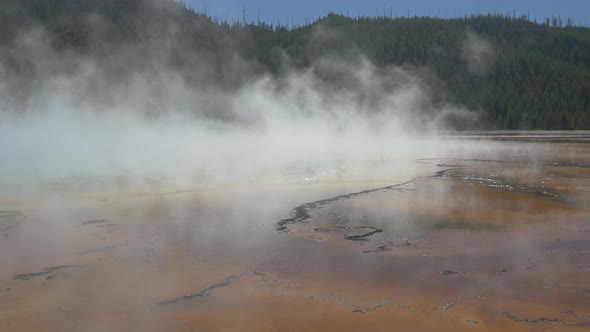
476,238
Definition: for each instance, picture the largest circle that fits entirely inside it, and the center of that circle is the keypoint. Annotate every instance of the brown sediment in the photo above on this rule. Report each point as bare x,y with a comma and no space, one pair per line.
452,255
505,183
493,181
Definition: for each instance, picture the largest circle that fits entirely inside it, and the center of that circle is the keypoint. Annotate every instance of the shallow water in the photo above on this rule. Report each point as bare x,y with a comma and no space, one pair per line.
496,239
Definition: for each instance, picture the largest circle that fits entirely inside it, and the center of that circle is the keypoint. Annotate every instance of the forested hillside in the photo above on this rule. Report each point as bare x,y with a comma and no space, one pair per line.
518,73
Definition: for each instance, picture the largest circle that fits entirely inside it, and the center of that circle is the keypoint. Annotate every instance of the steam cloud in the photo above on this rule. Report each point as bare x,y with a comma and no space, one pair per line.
477,53
80,120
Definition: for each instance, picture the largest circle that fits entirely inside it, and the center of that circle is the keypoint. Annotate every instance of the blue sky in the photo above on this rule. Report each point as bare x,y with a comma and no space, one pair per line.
302,10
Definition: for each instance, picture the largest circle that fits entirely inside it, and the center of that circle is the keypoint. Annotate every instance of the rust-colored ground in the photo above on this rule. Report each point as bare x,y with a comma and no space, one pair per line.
483,246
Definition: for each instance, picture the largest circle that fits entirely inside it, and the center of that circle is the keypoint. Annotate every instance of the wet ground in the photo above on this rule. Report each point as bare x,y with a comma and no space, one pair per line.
497,240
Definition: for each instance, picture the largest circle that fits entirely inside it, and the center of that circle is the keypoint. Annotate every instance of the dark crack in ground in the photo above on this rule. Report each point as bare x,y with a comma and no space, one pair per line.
204,292
95,222
301,214
364,236
542,321
373,307
47,271
450,273
99,250
9,220
377,250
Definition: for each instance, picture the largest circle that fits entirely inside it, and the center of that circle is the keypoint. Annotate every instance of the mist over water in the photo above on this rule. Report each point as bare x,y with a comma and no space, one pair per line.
76,121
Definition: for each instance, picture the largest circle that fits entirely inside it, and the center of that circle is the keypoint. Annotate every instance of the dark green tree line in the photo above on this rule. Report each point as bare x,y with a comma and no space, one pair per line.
537,76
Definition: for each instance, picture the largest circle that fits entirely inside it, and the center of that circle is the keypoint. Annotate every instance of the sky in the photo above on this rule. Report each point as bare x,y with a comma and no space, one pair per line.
301,11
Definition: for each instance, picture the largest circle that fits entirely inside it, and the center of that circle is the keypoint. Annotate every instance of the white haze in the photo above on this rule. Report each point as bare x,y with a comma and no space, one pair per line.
153,127
477,52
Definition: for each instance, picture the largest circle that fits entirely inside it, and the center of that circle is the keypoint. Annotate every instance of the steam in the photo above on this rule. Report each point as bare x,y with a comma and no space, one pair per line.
76,120
477,53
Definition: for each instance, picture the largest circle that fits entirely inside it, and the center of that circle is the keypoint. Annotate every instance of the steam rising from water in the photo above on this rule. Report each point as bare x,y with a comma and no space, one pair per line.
477,53
80,123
